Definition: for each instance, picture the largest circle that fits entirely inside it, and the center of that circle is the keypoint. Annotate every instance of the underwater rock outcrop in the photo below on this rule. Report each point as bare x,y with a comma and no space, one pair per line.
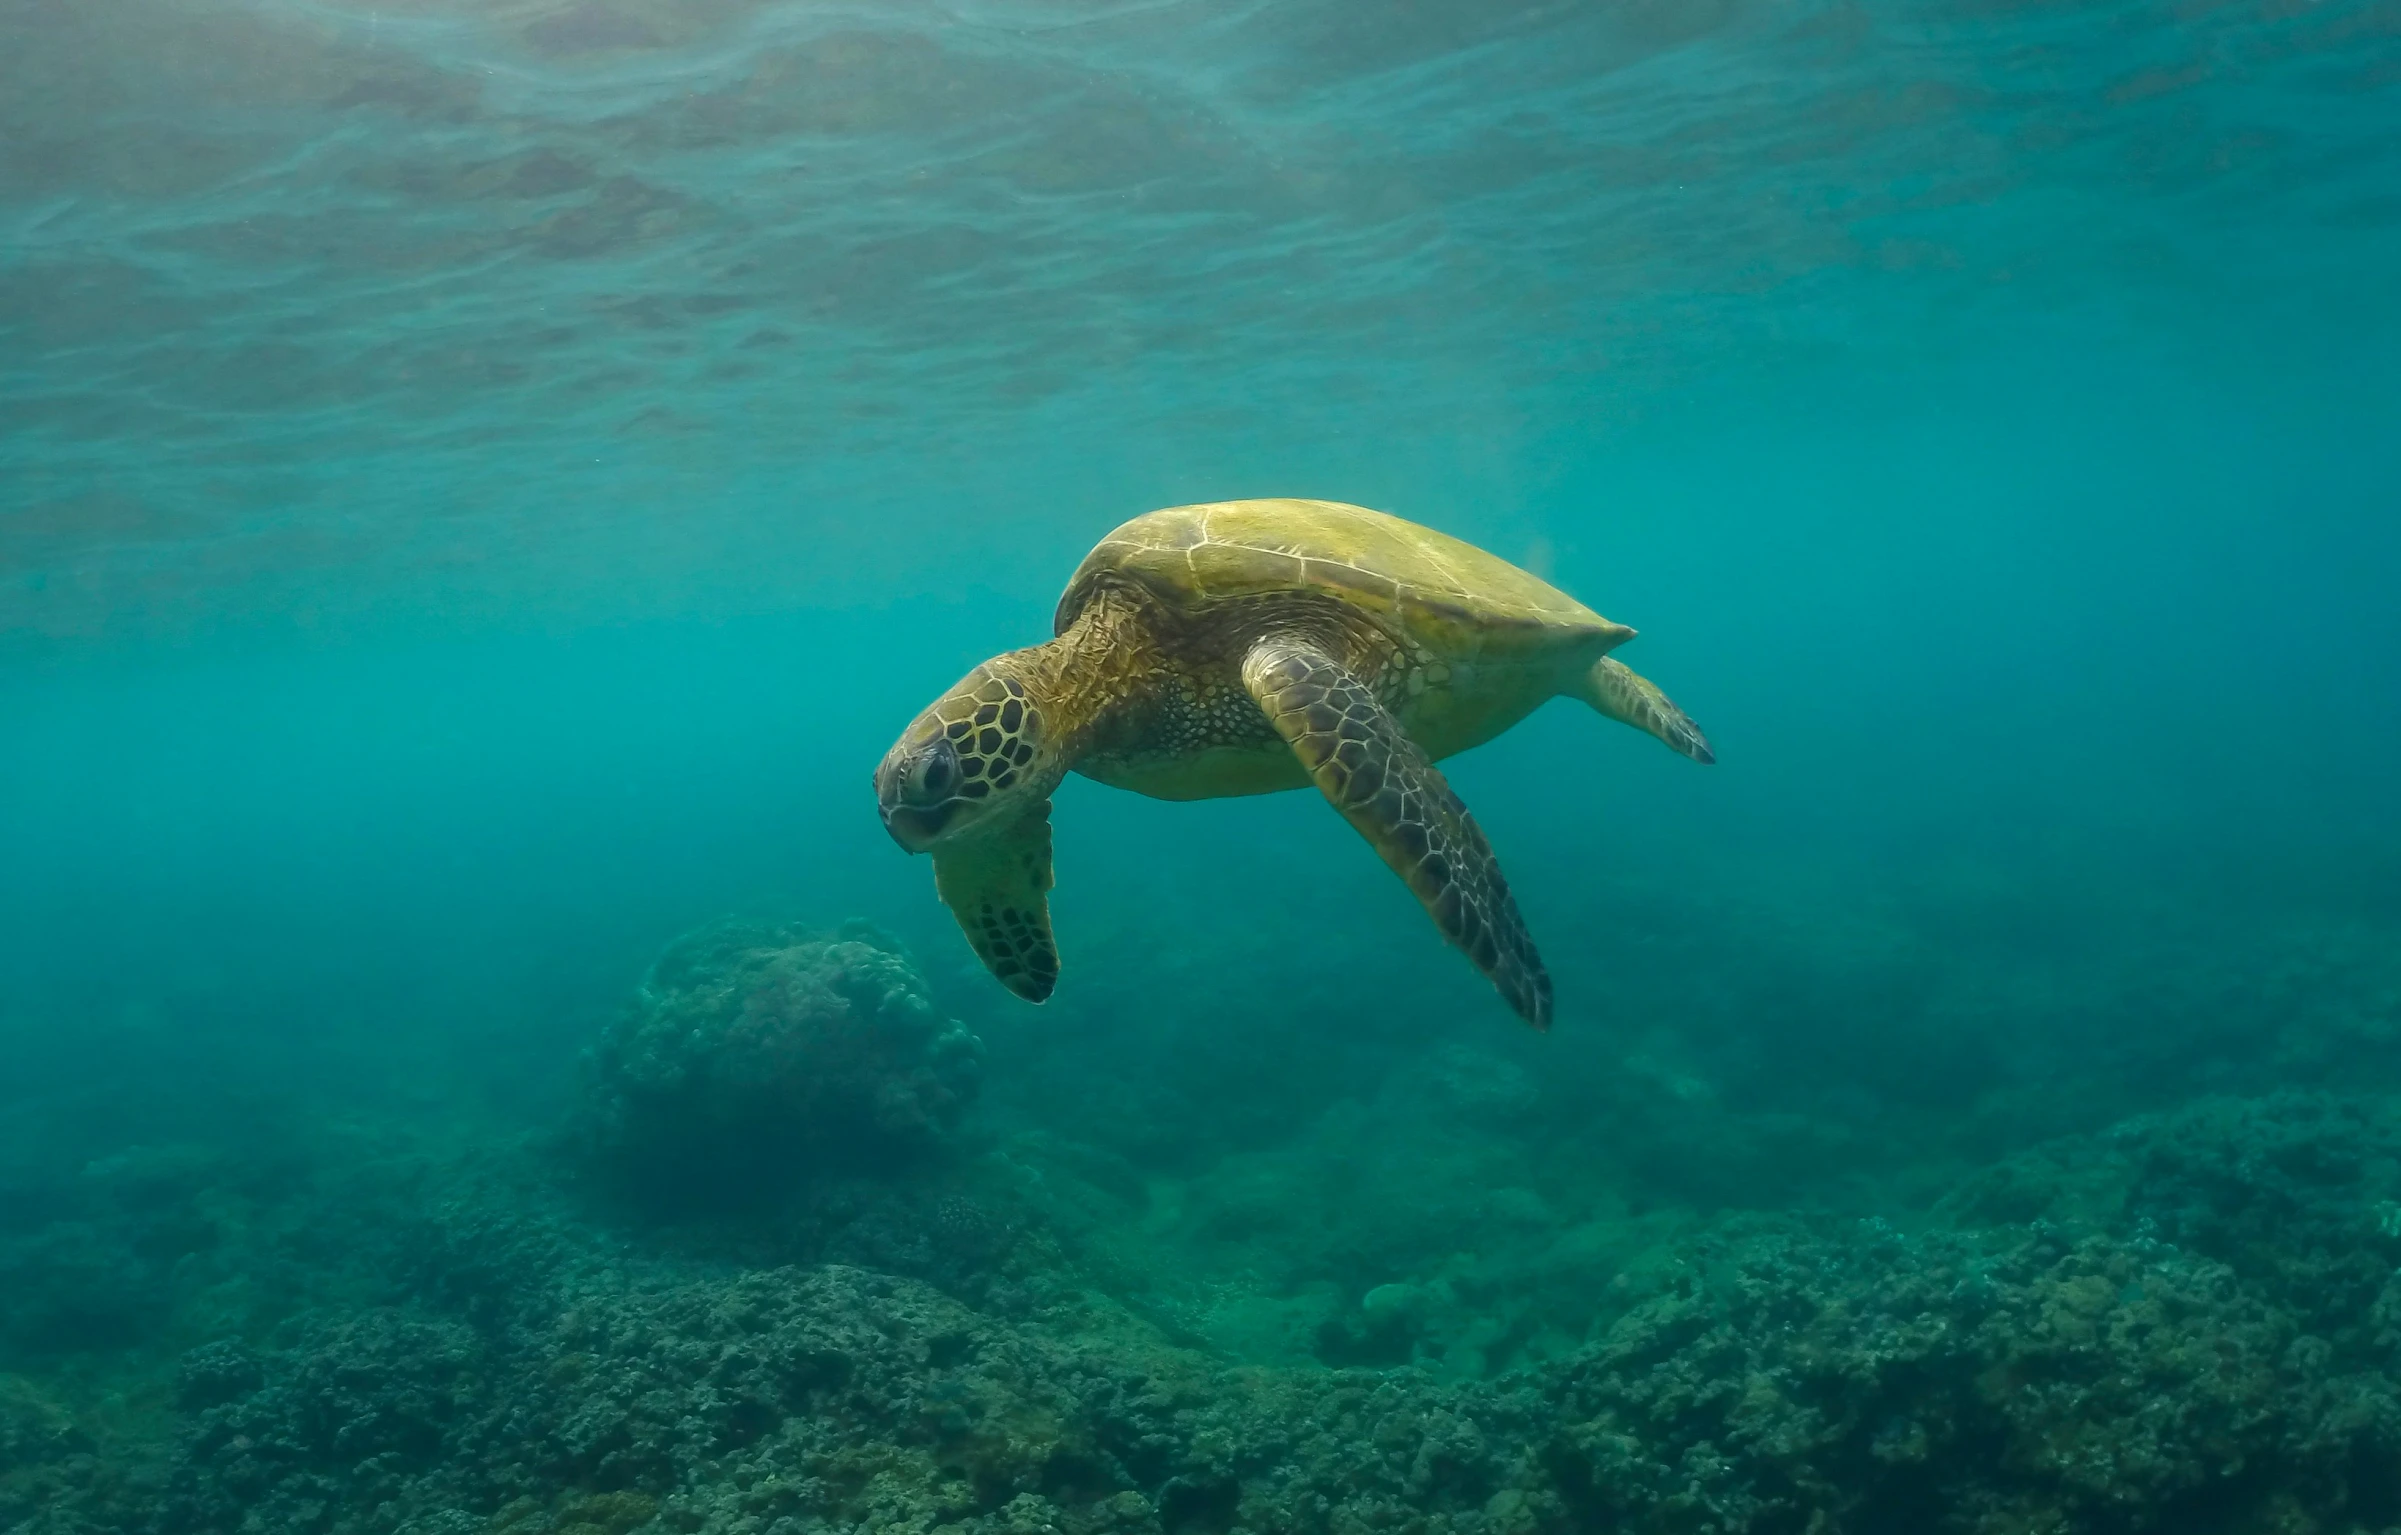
754,1056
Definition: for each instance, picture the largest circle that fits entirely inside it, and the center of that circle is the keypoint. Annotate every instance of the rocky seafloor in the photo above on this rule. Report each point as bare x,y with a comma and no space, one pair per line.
780,1273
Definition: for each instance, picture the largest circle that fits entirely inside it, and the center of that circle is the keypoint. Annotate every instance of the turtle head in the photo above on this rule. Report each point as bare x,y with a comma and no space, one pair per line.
973,759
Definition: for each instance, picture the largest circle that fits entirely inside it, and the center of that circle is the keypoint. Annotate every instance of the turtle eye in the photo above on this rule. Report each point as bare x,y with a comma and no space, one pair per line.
933,775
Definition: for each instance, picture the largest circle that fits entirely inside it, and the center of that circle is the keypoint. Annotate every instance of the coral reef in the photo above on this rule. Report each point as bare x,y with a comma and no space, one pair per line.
1493,1287
2020,1381
2186,1324
755,1056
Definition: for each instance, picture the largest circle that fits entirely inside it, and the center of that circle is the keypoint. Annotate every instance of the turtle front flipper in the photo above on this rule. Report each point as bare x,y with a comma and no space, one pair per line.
1387,788
997,884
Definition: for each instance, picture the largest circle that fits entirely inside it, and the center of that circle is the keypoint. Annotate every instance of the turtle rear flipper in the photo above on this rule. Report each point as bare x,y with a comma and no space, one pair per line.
997,884
1628,697
1384,785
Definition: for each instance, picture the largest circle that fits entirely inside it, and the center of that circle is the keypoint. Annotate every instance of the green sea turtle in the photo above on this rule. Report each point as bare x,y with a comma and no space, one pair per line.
1240,647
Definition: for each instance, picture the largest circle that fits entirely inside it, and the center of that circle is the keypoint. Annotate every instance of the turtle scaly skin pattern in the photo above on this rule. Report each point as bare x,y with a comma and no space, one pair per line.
1244,647
1383,785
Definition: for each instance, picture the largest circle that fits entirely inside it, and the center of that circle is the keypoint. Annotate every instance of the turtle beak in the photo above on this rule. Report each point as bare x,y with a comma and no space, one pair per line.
901,822
916,827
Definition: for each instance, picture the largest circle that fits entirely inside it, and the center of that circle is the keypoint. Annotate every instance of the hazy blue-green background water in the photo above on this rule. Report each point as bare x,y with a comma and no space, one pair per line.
484,483
481,484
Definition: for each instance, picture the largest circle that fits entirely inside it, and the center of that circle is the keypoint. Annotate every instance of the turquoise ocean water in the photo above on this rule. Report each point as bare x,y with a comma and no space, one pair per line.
482,482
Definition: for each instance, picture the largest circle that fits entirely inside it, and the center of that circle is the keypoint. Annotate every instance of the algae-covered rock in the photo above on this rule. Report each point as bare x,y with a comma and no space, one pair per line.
32,1427
755,1054
2014,1380
498,1362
